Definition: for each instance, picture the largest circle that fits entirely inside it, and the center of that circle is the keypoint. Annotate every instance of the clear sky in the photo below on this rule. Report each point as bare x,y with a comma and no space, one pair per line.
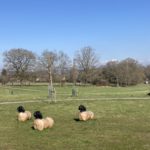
116,29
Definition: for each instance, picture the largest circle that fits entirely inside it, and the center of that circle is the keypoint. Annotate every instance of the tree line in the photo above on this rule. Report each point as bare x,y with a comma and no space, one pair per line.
22,65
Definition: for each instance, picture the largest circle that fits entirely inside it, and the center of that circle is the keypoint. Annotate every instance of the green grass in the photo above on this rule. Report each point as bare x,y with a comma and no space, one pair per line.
64,93
120,124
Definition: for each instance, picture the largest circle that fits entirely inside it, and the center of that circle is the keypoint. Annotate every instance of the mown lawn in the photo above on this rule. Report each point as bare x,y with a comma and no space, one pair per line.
40,92
120,124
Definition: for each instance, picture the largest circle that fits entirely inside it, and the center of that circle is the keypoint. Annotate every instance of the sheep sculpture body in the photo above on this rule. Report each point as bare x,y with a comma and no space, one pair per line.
40,123
22,114
85,115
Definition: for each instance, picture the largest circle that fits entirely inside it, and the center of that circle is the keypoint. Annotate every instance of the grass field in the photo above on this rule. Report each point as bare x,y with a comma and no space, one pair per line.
122,119
40,92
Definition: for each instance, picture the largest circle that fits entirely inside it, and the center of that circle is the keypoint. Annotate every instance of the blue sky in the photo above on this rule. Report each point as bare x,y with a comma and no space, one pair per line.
116,29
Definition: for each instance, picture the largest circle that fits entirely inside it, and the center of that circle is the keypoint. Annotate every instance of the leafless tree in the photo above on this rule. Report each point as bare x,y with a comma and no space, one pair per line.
4,76
74,72
147,72
64,64
131,72
111,72
87,60
124,73
47,61
19,61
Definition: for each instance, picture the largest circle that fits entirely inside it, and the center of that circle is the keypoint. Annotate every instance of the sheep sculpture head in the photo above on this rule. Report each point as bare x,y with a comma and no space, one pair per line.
38,115
20,109
82,108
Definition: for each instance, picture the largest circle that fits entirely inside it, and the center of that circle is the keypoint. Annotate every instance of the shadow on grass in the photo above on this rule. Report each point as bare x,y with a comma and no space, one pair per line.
76,119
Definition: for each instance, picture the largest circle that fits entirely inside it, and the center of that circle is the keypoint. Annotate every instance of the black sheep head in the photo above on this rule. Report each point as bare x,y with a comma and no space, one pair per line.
38,115
82,108
20,109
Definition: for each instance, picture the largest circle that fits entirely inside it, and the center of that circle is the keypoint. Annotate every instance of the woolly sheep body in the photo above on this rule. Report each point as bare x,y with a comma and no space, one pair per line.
41,124
48,122
23,116
38,124
86,115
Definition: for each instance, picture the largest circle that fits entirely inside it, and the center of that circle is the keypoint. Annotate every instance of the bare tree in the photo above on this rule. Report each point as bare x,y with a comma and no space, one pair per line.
64,64
124,73
111,72
131,72
86,60
147,72
4,76
19,61
74,72
47,61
